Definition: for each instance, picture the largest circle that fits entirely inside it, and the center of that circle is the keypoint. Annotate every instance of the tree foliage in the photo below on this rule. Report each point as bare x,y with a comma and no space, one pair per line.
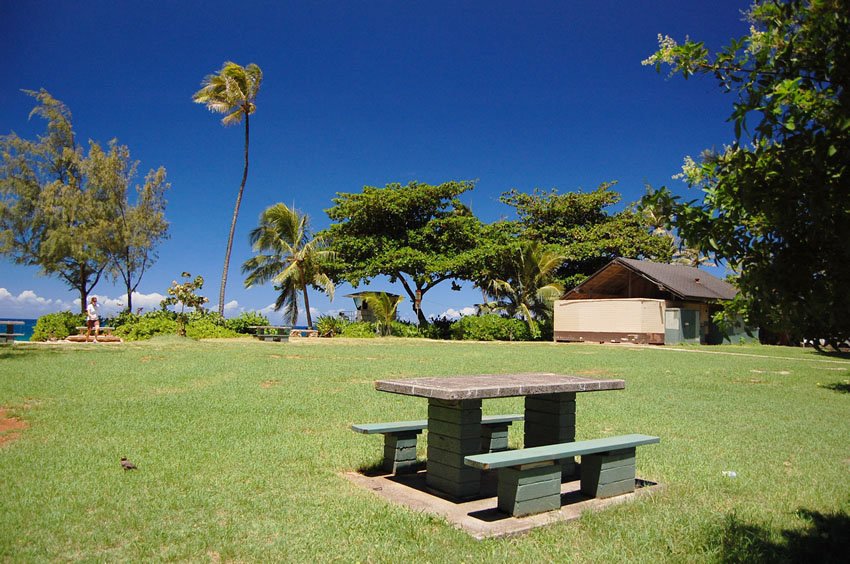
136,228
578,227
418,234
292,259
384,307
528,287
67,211
774,202
186,294
233,92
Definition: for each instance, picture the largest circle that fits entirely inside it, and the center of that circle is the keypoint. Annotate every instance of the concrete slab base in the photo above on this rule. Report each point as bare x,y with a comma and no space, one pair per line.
480,517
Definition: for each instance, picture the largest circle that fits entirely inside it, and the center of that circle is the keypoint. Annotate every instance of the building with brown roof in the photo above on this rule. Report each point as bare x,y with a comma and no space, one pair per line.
643,302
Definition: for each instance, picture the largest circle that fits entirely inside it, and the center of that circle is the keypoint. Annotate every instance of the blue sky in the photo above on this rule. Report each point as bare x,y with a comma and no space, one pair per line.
512,94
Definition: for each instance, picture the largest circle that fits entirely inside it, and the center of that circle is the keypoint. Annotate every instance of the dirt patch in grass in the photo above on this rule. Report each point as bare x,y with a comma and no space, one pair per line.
10,427
149,358
597,372
269,384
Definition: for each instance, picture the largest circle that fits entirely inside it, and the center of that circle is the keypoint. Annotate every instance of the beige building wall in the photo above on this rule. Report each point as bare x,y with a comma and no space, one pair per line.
621,315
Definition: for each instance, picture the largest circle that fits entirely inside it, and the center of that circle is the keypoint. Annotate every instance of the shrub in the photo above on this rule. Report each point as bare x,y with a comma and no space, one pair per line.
404,329
359,329
490,327
439,328
57,325
123,318
331,325
147,326
208,327
244,320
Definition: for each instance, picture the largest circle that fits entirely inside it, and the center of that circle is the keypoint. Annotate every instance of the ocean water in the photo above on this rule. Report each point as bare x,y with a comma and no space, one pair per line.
26,329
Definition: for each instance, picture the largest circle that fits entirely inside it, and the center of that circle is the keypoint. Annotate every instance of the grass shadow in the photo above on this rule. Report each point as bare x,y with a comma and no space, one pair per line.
825,540
377,468
842,354
841,387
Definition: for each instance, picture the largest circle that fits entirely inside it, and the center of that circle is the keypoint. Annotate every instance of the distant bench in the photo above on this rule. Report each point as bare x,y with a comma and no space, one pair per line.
530,478
400,438
275,333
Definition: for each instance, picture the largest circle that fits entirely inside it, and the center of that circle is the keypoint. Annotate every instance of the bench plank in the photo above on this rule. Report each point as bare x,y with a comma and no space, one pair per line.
557,451
400,442
401,426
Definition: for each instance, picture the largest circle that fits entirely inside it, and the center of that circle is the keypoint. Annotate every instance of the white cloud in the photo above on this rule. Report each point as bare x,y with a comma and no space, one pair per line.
268,310
452,313
232,308
148,302
28,304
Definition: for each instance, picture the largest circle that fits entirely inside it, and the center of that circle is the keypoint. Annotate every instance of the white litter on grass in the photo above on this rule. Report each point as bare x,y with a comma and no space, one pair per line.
730,474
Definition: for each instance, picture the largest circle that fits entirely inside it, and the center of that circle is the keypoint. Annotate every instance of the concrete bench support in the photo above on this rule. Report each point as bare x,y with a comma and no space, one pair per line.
400,452
552,420
400,439
530,479
529,489
608,474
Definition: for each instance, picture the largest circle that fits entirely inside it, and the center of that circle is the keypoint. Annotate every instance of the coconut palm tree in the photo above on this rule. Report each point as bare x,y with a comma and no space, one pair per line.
233,92
291,259
384,307
528,288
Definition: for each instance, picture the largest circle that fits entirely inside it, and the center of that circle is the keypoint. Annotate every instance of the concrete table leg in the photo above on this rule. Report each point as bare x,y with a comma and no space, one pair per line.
454,431
551,419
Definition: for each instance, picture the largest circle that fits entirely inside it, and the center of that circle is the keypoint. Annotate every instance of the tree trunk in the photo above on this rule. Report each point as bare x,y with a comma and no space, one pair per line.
306,299
129,299
233,224
307,309
84,294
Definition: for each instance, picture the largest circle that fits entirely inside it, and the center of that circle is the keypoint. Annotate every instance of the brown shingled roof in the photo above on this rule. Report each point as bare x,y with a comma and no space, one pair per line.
686,282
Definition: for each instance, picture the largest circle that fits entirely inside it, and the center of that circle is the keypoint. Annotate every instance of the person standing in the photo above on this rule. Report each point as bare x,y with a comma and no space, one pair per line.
92,319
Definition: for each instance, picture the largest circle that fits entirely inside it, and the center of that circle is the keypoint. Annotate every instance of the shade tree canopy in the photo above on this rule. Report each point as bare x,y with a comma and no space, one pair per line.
417,234
579,227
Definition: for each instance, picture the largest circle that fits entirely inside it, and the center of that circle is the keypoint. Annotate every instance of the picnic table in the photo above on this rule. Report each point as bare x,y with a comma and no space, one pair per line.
9,336
454,418
276,333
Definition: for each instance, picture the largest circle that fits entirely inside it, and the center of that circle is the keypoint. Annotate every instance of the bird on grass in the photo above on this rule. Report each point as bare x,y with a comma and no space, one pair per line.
127,465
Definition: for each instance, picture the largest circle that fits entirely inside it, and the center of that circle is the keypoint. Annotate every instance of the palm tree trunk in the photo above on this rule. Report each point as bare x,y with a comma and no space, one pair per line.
233,223
306,299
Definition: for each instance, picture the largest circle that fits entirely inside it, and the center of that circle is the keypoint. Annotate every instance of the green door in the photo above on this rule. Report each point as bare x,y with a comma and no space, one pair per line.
690,325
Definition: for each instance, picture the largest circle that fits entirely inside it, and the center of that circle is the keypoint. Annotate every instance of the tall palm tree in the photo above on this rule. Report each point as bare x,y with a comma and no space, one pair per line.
232,91
528,288
291,261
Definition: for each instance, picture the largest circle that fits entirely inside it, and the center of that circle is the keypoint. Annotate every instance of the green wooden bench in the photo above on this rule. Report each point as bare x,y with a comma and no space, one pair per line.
274,333
400,439
530,479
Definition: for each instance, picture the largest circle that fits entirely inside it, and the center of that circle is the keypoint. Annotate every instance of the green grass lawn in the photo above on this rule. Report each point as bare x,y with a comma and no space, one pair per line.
240,446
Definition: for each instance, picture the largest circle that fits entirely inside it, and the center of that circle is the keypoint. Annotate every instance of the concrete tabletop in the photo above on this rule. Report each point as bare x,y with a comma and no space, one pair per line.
10,322
483,386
